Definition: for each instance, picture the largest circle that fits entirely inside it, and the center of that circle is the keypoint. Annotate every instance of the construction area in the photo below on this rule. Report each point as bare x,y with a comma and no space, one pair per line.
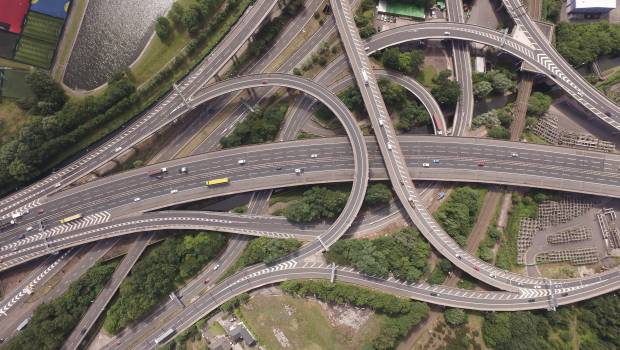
571,229
547,128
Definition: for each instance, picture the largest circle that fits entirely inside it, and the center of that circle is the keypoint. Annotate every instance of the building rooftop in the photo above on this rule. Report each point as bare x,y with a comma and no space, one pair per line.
610,4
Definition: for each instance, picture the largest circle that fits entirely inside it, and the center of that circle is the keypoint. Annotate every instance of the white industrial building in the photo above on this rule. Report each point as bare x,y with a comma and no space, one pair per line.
589,6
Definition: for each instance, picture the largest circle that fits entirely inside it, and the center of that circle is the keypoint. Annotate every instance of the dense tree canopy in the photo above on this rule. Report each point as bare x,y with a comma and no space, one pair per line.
52,322
405,62
163,28
402,254
482,89
582,43
538,104
377,194
455,317
49,95
459,212
317,203
158,273
260,126
267,250
446,91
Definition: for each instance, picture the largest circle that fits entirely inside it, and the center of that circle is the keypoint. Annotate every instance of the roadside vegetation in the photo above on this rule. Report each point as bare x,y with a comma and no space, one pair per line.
52,322
592,324
364,18
551,10
459,212
399,101
583,43
403,255
402,314
262,250
494,82
497,121
259,126
440,272
327,202
45,141
405,62
158,273
445,90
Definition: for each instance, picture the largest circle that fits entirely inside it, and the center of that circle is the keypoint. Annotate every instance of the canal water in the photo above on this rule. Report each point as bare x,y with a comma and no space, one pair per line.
112,35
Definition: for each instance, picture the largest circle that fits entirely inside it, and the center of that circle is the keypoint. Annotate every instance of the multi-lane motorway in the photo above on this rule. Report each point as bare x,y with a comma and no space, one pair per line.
273,165
110,204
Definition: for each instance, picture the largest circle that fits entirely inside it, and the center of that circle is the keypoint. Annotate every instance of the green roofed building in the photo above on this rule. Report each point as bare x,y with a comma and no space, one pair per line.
397,8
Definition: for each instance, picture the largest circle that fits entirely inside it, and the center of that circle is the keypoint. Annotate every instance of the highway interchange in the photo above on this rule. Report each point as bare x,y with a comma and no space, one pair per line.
357,159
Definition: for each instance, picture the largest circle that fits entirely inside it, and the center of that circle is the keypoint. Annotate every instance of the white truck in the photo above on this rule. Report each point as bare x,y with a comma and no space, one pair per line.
365,76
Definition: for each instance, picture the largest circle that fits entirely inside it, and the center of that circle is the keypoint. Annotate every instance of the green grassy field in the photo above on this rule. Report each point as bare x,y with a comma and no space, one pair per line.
39,39
303,324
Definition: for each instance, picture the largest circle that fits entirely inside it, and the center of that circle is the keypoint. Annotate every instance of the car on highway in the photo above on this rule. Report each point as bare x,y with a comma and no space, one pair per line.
389,146
241,161
476,267
515,155
565,294
537,286
137,199
435,161
531,300
264,82
314,155
183,170
29,228
381,123
298,171
446,33
426,165
278,168
433,294
458,256
608,114
173,191
40,211
118,149
481,163
217,266
492,275
58,184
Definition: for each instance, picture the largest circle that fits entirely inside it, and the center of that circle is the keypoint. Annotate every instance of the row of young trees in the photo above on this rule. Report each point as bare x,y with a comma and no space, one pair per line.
403,254
158,273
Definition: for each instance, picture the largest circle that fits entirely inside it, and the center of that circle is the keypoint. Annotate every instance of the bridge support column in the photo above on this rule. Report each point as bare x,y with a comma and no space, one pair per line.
553,304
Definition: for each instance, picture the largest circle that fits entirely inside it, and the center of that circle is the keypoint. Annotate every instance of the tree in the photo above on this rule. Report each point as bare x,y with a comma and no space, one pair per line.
538,104
446,91
192,19
501,83
49,95
163,28
498,132
391,58
377,194
176,14
455,317
584,42
482,89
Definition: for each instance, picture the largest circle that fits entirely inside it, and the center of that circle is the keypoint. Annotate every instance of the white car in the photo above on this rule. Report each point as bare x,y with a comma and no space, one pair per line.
174,191
241,161
217,266
137,199
426,165
58,184
446,33
29,228
118,149
389,146
298,171
183,170
314,155
515,155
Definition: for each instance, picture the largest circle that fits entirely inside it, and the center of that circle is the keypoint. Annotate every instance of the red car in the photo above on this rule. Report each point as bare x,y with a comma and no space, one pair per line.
476,268
481,163
264,82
